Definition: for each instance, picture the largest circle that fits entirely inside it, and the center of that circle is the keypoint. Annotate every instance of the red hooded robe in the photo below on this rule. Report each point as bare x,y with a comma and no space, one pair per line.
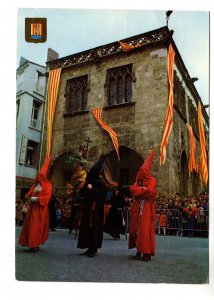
36,224
142,231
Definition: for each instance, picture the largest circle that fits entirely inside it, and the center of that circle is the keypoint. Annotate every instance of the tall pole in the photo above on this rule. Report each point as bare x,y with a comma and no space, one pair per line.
168,13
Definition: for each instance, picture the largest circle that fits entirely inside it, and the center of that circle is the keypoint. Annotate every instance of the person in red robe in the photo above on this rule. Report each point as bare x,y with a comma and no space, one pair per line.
36,224
143,215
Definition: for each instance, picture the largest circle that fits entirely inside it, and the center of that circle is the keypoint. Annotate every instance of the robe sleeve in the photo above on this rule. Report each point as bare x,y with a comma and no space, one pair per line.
45,195
29,194
148,193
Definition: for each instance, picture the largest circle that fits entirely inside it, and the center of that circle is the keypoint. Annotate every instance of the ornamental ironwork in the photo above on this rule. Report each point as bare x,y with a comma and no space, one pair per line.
96,54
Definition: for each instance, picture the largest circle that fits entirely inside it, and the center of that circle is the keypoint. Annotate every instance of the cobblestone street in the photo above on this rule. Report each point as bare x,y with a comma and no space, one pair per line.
177,260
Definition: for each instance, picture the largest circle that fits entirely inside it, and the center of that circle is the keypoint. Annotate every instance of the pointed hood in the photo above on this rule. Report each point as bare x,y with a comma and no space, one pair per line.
96,170
43,173
144,171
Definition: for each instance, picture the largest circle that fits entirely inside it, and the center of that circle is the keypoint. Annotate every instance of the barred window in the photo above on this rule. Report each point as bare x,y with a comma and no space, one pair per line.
119,85
77,94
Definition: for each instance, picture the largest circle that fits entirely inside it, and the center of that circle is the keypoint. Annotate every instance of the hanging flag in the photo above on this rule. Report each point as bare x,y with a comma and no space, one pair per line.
203,156
170,109
53,85
193,165
97,112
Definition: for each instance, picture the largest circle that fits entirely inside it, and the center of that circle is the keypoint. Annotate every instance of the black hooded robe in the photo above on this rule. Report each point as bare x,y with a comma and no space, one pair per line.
91,226
114,224
92,218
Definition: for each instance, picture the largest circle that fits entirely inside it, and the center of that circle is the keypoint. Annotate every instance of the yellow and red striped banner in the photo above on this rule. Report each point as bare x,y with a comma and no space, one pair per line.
203,156
170,109
97,112
193,165
53,86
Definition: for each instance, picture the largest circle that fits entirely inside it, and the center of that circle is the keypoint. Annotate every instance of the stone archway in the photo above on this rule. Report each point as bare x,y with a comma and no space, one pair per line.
63,168
125,170
183,184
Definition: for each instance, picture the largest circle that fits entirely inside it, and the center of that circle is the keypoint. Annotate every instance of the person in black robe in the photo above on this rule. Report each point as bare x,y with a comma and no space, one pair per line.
92,212
115,220
52,212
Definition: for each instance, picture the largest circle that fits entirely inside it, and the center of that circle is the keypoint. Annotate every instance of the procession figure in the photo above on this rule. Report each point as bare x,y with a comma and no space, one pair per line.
115,219
143,215
78,181
92,217
36,224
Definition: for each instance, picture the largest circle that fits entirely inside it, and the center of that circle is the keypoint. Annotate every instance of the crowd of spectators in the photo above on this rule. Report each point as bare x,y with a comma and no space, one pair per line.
176,215
186,216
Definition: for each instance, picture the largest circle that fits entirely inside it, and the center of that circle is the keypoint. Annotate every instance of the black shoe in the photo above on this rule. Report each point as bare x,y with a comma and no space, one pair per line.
138,254
86,252
146,257
92,254
34,250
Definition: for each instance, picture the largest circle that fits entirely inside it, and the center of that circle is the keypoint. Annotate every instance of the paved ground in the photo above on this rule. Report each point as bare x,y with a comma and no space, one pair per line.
178,260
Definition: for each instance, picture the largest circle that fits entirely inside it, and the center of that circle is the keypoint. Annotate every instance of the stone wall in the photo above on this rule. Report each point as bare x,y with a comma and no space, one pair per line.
139,126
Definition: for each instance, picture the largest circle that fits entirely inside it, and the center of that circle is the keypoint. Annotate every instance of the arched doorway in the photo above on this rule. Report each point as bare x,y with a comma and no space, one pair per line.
63,169
125,170
183,187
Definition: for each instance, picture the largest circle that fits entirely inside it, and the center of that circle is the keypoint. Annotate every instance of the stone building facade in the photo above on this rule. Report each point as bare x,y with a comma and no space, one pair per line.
132,89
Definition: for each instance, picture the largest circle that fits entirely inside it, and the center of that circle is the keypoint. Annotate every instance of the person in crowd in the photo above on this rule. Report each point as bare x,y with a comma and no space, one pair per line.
200,218
19,213
162,222
157,218
115,220
175,216
78,182
25,208
92,211
36,224
205,205
58,214
66,213
52,212
143,215
191,221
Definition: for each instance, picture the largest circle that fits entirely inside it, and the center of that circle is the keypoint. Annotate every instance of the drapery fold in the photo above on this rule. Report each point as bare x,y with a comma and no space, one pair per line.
53,86
97,112
203,156
170,109
192,165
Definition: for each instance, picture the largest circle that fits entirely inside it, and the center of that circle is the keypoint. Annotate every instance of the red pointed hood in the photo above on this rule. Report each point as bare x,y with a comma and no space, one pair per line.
43,173
144,171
